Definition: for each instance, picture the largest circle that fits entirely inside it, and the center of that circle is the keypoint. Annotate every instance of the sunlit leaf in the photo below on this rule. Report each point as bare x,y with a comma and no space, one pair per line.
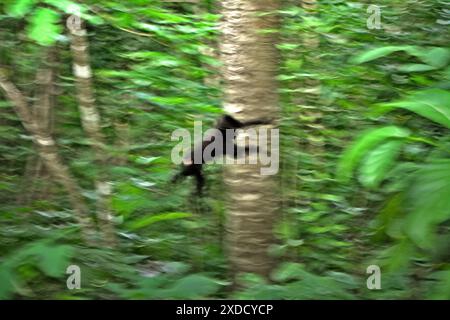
20,8
44,27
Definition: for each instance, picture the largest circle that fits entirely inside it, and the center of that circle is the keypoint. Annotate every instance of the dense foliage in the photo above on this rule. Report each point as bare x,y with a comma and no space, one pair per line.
365,175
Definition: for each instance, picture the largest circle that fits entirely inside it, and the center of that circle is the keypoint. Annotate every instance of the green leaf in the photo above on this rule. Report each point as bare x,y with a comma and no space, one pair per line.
157,59
435,56
193,286
416,67
67,6
428,201
398,256
365,143
146,221
378,162
164,17
53,259
20,8
433,104
44,27
377,53
387,219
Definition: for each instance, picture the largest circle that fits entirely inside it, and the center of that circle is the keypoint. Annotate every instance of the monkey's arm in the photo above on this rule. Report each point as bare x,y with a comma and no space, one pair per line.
228,122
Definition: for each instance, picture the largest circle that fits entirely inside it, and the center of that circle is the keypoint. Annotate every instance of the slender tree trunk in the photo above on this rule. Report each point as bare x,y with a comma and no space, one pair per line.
46,148
90,119
35,180
250,62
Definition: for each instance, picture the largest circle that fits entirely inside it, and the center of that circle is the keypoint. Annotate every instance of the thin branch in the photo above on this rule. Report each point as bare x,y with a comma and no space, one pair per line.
46,147
90,119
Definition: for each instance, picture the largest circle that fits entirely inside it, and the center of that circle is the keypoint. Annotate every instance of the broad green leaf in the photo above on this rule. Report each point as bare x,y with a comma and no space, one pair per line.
44,27
146,221
52,259
129,198
435,56
428,201
146,160
397,256
416,67
365,143
378,162
376,53
433,104
20,8
193,286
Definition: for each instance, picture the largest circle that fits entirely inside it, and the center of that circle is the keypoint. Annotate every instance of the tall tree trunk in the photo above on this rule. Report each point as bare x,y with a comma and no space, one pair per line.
250,63
47,150
90,119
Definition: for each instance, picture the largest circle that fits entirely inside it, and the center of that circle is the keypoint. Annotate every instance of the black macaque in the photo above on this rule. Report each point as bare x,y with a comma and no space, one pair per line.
190,168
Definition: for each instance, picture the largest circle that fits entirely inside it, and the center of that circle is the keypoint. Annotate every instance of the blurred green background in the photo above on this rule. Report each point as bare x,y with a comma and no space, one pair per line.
365,171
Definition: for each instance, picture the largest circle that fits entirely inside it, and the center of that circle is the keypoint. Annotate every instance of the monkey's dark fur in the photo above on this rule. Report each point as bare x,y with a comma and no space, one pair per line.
190,168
